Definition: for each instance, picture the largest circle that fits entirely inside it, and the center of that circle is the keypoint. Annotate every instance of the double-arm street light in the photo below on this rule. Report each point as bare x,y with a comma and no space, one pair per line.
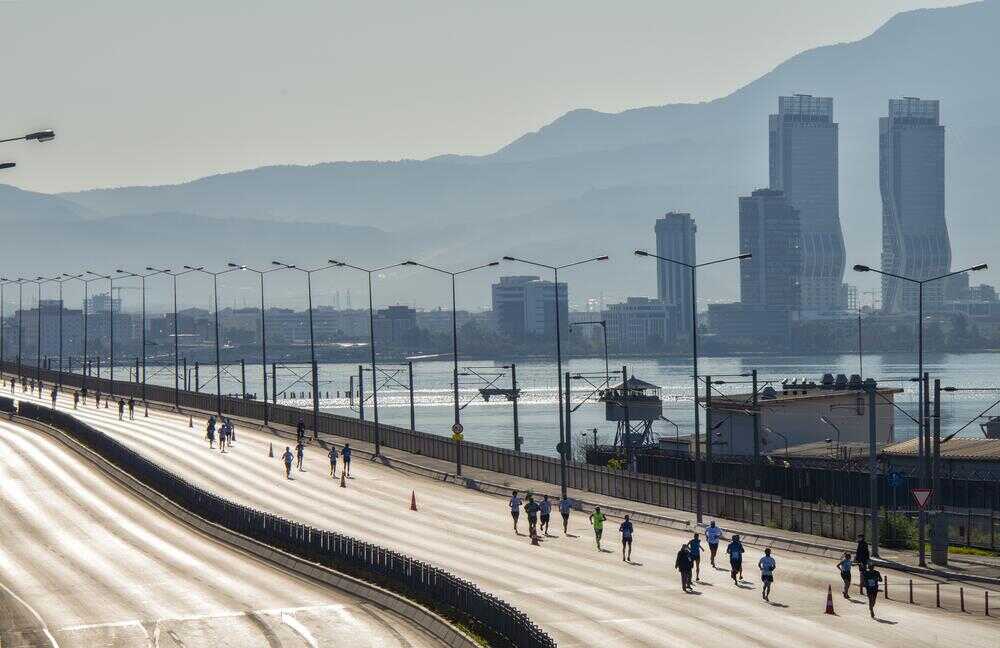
177,369
923,433
371,338
263,330
86,307
312,338
604,329
142,333
37,136
457,427
218,357
693,267
60,280
7,165
564,442
3,349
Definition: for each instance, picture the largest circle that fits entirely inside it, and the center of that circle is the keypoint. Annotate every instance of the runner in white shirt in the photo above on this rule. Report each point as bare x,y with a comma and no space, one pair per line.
565,506
515,509
767,567
713,534
545,508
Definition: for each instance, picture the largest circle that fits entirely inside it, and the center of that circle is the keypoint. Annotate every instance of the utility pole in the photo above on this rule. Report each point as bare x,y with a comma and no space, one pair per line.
756,434
872,388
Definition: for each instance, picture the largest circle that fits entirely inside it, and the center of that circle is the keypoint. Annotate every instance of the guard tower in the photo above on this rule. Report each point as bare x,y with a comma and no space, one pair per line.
634,404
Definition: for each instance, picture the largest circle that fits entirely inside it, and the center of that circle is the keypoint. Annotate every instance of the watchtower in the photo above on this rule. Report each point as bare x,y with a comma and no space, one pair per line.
634,405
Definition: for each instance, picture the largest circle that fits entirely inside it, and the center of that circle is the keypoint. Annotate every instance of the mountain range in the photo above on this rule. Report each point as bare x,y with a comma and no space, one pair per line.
588,183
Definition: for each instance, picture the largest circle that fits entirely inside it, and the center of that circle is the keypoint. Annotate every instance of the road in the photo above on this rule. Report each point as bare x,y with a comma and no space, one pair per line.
579,595
84,563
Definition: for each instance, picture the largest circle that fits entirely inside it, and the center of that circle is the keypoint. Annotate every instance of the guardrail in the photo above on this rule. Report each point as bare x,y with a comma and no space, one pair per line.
492,618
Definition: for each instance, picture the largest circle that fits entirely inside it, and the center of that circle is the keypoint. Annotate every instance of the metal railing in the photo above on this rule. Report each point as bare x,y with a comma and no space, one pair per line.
492,618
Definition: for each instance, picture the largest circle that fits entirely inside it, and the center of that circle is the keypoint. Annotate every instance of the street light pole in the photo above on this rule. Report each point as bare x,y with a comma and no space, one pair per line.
923,432
564,442
693,267
604,328
142,332
263,329
218,354
457,427
371,341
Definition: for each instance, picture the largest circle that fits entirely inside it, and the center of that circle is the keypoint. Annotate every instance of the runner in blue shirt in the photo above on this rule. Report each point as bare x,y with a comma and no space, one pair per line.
713,534
735,551
626,530
346,454
767,567
565,506
545,508
694,548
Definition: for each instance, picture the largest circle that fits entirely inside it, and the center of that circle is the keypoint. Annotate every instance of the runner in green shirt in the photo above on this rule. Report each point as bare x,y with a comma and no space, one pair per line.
597,519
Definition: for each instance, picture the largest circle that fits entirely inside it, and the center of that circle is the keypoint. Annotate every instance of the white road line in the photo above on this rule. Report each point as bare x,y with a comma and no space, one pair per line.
281,612
299,629
45,629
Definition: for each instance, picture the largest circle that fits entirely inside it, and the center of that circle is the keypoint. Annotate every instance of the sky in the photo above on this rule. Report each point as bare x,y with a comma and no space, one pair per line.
159,93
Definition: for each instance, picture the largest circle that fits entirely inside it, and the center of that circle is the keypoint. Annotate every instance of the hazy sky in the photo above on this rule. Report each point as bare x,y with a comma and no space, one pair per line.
154,93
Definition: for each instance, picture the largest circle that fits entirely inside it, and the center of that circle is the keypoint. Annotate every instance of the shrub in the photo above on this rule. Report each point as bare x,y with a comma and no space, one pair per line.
897,531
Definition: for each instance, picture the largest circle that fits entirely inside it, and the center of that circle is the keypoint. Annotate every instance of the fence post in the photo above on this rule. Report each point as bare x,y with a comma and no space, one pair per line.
911,590
961,598
937,594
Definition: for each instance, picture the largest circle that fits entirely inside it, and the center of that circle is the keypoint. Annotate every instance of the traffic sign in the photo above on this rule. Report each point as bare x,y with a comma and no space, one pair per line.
922,495
457,428
894,478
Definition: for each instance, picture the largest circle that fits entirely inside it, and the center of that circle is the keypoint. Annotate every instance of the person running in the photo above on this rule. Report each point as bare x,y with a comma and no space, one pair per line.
545,510
210,432
232,431
531,508
300,451
713,534
862,555
333,461
300,430
735,551
844,566
223,432
694,548
97,399
597,520
55,395
131,408
626,529
683,565
121,409
287,458
346,454
565,506
515,509
767,567
871,580
76,399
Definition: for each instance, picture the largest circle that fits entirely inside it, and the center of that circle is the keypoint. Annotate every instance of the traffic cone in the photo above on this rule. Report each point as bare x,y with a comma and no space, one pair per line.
146,415
829,600
270,451
343,479
413,500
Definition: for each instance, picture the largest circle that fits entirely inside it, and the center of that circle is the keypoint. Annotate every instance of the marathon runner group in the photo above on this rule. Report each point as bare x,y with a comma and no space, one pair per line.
688,560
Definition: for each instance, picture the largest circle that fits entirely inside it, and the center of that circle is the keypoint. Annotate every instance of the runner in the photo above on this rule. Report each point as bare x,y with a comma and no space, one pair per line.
131,408
121,409
626,530
767,567
871,580
300,430
76,399
531,508
546,512
565,506
55,395
346,454
210,433
694,548
223,435
597,519
683,565
300,451
232,431
97,399
735,551
861,557
713,534
845,573
333,461
287,458
515,509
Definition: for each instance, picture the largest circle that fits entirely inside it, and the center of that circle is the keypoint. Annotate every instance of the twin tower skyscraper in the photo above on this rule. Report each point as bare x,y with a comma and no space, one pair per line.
803,164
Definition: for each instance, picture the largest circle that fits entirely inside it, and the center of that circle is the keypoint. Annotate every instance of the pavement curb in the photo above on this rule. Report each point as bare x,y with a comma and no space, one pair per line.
422,617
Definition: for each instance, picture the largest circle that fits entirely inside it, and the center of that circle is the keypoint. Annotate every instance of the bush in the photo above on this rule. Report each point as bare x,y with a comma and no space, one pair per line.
897,531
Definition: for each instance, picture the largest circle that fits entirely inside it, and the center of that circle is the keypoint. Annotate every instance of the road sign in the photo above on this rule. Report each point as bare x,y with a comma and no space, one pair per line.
922,495
457,428
894,478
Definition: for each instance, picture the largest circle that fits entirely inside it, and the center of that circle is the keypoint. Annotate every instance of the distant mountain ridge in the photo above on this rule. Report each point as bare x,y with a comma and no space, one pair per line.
591,179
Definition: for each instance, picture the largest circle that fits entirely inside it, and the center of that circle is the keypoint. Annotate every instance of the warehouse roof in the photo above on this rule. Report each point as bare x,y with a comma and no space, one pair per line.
957,448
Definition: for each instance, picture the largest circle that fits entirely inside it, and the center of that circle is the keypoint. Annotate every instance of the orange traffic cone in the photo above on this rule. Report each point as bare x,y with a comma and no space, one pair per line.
829,600
343,479
413,500
270,451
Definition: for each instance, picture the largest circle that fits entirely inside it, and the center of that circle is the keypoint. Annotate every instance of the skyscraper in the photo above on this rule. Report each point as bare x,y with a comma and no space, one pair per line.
804,165
915,239
770,229
675,240
523,306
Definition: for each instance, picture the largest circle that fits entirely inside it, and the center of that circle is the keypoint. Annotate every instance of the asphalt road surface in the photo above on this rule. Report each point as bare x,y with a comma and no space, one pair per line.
581,596
84,564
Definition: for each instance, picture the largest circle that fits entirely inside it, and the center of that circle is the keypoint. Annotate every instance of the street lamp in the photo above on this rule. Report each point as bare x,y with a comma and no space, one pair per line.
371,339
263,330
768,428
827,421
3,282
38,136
142,289
173,276
604,328
312,338
563,437
86,298
457,427
923,433
693,267
8,165
218,360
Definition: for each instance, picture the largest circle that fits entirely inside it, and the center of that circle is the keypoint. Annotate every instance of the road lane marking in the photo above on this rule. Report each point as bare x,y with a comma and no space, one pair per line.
296,625
45,629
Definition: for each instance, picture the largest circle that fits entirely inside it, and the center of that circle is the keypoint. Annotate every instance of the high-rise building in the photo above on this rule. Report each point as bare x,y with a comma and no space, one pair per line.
804,165
638,324
675,240
523,306
770,229
915,239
